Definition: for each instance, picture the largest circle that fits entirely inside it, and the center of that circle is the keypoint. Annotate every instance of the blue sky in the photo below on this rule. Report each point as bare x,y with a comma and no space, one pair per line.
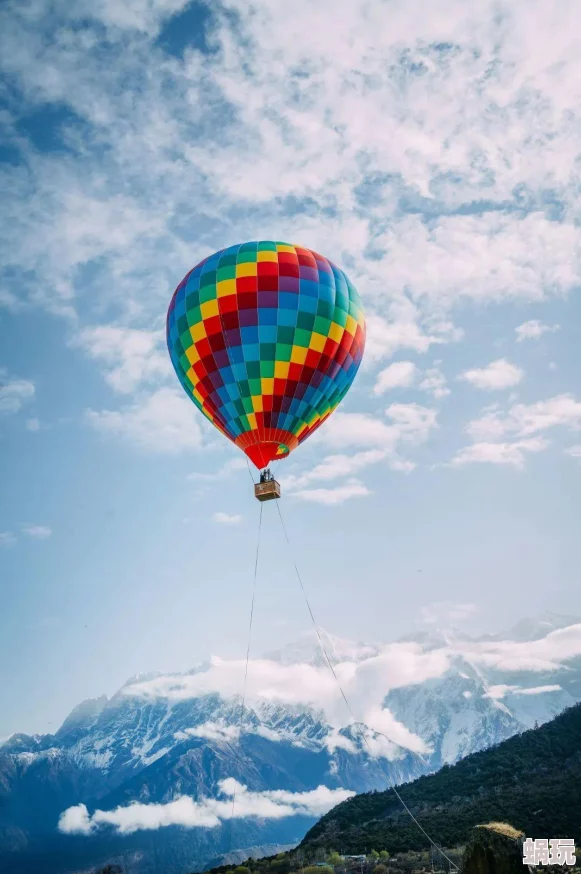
434,154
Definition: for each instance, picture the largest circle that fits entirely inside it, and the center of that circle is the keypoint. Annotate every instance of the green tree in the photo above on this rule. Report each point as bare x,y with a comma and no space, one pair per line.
373,856
384,855
334,859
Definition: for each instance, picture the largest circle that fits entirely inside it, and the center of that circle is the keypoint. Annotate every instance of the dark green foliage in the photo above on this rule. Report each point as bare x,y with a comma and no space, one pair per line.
532,781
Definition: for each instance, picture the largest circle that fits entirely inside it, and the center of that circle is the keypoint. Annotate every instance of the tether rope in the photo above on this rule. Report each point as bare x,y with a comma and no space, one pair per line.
355,721
242,705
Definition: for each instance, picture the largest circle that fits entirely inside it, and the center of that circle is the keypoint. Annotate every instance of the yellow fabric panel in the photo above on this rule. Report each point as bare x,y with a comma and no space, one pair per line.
198,332
351,325
317,342
298,354
226,287
247,268
209,309
335,332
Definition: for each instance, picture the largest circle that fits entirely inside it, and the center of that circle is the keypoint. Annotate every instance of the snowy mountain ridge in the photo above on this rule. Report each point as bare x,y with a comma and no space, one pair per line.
418,703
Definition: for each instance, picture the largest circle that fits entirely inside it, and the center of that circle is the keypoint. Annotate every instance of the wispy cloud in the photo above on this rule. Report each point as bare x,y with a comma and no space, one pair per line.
445,144
164,421
335,466
208,813
500,691
495,376
38,532
512,454
524,420
534,330
7,538
333,496
401,374
227,519
223,472
434,382
364,683
14,393
131,357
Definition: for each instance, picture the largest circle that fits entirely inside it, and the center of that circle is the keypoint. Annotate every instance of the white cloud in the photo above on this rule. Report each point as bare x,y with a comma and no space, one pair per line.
394,733
404,374
335,466
32,425
139,15
334,740
400,374
164,421
501,690
385,336
497,375
226,519
410,423
512,454
574,451
338,495
206,813
222,473
539,690
131,357
365,683
526,419
14,394
213,731
434,382
38,532
7,538
413,422
562,410
547,654
534,330
345,430
444,147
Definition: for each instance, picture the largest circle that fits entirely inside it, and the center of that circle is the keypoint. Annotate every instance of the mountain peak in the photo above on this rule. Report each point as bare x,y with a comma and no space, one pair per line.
84,714
534,627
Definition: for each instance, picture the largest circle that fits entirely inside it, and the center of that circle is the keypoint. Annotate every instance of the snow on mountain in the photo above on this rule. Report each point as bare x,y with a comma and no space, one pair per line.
534,628
423,701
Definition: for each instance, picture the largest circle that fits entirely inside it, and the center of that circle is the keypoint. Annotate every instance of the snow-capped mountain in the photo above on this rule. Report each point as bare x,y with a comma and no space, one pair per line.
165,749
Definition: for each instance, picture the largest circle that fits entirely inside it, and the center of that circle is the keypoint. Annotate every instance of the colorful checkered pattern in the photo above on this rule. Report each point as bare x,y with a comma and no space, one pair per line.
266,339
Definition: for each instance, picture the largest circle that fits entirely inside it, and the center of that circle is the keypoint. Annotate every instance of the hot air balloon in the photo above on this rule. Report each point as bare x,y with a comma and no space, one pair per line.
266,338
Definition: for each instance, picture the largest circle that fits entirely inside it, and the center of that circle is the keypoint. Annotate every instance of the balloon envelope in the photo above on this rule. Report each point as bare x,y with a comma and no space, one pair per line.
266,339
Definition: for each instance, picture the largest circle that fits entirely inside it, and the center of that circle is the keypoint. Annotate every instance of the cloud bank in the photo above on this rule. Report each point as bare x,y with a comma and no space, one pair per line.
206,813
